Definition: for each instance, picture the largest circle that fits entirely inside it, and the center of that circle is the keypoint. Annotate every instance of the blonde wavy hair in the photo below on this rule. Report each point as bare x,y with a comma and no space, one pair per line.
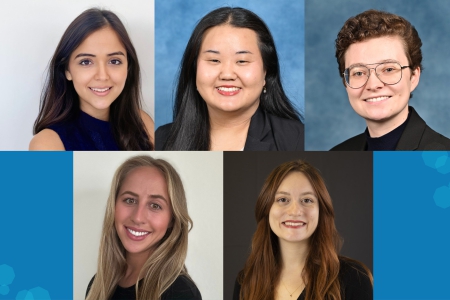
166,263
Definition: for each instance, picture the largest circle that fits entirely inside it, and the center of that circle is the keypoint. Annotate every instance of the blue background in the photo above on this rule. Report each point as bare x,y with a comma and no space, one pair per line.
330,119
411,233
175,21
36,221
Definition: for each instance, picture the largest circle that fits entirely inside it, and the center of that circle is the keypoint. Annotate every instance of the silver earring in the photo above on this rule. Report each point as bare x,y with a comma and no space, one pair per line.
264,90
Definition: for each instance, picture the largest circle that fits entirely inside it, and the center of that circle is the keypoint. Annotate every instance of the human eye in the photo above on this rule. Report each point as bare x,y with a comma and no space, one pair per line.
242,62
214,61
358,72
115,62
389,68
308,201
129,200
85,62
155,206
282,200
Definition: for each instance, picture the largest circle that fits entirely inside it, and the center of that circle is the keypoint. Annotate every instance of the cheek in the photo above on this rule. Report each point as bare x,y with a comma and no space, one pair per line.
205,75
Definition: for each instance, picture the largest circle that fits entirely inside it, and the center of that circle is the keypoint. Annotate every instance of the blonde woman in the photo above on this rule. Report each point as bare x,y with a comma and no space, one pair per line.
145,235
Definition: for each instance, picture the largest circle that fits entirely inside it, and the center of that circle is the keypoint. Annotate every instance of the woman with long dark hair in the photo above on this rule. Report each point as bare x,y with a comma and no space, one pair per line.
229,94
92,98
295,249
145,236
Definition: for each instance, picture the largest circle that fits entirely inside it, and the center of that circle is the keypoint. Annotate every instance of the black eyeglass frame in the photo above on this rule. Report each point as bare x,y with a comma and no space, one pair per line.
346,73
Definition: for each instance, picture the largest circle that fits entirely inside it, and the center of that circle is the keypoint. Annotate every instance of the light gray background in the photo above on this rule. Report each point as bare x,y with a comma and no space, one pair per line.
176,19
202,176
30,32
330,119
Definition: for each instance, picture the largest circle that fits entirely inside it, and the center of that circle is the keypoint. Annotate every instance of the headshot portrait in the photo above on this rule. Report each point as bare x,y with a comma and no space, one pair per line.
89,76
371,67
156,241
291,218
233,78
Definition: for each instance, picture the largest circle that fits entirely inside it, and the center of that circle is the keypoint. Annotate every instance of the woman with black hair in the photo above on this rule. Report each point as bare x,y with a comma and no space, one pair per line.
92,99
229,94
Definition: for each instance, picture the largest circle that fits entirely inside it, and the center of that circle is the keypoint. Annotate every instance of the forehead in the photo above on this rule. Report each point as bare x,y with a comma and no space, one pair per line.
145,180
102,41
229,37
296,181
376,50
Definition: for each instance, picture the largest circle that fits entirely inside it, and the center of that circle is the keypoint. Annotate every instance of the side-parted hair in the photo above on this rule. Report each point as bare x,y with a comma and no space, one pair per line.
374,24
261,273
191,128
166,263
59,100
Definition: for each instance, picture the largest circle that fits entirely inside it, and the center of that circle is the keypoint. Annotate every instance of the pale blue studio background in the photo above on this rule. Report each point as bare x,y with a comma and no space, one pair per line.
329,117
175,21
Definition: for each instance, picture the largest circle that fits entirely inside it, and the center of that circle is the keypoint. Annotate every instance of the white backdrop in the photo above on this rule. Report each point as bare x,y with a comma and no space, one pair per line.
202,176
31,30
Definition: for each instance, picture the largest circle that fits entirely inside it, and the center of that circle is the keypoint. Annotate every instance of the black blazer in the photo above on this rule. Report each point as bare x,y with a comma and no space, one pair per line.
266,133
416,136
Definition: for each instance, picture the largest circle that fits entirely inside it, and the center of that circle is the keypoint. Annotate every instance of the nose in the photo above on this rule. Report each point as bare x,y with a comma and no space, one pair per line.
227,71
373,83
295,209
138,215
102,72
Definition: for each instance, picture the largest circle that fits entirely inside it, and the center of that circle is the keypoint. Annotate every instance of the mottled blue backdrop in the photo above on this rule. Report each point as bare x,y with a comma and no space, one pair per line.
175,21
411,225
329,117
36,225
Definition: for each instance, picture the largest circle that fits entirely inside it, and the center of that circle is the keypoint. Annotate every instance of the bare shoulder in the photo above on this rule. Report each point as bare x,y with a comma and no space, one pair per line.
149,125
46,139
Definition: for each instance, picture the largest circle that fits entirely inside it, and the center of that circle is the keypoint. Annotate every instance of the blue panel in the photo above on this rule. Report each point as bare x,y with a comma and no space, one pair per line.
175,21
411,226
36,225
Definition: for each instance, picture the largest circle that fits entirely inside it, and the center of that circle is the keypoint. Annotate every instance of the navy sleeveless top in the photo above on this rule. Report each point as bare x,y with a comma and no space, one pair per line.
85,133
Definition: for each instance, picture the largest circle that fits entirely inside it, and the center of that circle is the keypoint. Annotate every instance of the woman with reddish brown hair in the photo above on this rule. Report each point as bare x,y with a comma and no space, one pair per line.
295,249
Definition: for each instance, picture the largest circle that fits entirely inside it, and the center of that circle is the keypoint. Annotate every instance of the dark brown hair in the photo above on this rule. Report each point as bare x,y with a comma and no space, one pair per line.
261,273
59,100
373,24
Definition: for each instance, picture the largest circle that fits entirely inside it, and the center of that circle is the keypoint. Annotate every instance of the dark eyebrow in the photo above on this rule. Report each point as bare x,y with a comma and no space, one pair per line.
302,194
212,51
380,62
151,196
239,52
92,55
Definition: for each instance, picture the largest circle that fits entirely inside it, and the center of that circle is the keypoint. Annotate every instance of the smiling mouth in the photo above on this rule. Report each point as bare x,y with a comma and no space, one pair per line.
228,89
100,90
294,224
377,99
137,233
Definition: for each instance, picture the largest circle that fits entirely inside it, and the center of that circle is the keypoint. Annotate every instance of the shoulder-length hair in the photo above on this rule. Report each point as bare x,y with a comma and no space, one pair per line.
191,128
59,100
166,263
261,273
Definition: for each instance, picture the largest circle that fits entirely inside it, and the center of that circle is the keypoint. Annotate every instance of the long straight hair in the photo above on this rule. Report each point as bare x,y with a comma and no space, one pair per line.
166,263
191,128
59,100
261,273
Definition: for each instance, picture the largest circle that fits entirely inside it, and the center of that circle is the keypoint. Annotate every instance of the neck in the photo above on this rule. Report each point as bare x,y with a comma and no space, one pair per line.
229,129
98,114
293,256
135,262
380,128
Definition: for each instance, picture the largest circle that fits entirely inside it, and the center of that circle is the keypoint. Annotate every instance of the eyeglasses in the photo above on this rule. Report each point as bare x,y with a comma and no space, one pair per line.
388,72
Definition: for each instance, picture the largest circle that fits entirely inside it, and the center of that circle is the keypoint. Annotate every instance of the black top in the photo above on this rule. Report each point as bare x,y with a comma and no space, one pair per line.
182,288
266,133
417,135
355,284
85,133
388,141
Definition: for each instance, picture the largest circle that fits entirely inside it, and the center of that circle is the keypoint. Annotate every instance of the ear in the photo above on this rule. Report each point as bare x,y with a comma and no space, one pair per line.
415,77
68,75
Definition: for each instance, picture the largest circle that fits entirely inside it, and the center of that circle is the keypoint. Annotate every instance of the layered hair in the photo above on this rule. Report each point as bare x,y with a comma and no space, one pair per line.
191,126
60,102
374,24
166,262
261,273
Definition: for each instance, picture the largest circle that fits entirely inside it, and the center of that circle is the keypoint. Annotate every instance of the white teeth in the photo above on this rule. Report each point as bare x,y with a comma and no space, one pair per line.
99,90
294,223
225,89
137,233
377,99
